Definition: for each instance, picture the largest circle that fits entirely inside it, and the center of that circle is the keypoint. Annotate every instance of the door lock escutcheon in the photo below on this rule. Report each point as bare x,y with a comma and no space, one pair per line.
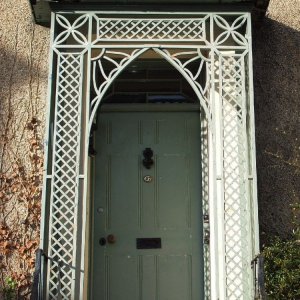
148,160
102,242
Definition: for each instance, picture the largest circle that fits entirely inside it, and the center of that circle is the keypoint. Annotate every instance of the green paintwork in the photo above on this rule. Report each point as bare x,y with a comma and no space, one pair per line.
42,8
126,206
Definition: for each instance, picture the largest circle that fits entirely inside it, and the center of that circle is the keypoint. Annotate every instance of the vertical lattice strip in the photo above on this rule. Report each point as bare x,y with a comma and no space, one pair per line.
64,191
205,200
235,172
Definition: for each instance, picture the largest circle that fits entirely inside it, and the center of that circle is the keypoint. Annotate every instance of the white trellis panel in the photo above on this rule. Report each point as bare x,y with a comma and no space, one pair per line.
64,190
236,208
158,30
220,43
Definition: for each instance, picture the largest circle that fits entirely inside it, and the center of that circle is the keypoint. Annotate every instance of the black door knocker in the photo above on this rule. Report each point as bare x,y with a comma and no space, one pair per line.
148,161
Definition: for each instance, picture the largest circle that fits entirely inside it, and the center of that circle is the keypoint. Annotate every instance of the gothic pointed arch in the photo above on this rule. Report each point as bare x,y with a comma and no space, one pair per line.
121,60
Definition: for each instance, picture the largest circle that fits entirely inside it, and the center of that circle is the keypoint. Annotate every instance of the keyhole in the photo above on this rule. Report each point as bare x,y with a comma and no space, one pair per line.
102,242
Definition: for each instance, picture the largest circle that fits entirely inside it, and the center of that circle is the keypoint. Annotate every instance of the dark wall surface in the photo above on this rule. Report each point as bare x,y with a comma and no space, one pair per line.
276,52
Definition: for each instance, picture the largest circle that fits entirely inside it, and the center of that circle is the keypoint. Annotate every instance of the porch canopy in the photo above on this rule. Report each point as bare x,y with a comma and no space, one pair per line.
93,42
42,8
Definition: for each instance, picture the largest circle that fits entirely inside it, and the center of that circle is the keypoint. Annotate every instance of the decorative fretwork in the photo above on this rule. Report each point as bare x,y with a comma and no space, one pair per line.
118,61
181,60
230,32
65,177
85,43
133,29
223,30
71,31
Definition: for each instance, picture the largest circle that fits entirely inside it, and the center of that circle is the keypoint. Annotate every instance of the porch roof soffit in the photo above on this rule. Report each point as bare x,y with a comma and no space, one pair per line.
41,9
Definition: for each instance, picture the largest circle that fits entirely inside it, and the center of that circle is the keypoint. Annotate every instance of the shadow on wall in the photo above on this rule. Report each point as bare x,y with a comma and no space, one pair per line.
22,74
277,108
23,85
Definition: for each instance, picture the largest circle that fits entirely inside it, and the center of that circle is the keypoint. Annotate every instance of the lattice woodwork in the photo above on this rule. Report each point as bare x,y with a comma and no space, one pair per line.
235,173
205,199
151,29
65,177
182,40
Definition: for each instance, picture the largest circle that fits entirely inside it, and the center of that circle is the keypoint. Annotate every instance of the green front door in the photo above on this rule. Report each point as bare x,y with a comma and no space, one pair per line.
147,229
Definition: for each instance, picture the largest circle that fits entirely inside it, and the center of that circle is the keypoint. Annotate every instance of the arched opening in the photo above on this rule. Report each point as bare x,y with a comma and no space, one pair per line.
192,64
146,174
149,79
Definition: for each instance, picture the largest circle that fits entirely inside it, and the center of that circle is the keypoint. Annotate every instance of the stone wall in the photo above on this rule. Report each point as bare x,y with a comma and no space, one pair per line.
276,52
24,49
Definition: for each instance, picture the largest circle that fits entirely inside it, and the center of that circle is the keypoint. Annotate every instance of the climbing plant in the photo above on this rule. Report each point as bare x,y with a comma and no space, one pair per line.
20,194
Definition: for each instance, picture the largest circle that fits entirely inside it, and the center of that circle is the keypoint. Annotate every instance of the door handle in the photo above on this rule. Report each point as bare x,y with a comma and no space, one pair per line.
111,239
148,161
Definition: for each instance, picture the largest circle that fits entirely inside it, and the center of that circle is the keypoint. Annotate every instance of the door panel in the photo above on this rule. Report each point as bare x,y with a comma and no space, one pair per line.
119,283
175,275
173,203
166,207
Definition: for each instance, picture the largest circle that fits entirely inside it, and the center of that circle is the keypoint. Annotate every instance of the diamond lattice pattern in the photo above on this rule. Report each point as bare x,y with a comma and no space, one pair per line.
183,29
205,200
65,186
234,164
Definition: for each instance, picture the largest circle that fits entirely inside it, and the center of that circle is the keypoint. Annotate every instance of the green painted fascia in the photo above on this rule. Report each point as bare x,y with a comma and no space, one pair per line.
41,12
42,9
